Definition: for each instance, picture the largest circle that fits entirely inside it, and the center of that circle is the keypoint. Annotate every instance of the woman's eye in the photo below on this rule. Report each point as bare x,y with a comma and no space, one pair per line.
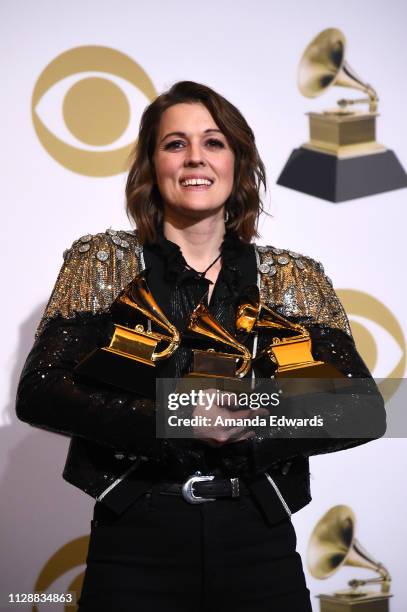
174,144
214,142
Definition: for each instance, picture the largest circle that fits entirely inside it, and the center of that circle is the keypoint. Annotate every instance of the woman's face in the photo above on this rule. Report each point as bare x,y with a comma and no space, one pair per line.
194,164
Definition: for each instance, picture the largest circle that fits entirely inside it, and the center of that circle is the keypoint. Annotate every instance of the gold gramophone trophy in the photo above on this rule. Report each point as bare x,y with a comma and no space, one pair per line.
130,359
216,368
289,354
342,159
333,545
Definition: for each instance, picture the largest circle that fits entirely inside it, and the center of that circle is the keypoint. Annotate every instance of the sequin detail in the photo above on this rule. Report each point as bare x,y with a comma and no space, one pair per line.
102,255
87,284
84,248
264,268
277,251
86,238
302,291
283,260
116,240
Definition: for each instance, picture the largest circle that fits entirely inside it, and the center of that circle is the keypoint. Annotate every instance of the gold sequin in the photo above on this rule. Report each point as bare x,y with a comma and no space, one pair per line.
302,291
88,282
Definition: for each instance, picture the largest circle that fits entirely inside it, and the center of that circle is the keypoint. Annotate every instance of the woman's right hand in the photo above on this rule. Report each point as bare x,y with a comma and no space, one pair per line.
219,434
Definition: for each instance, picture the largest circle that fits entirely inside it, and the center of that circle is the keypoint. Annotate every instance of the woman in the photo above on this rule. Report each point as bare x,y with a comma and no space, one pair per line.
193,192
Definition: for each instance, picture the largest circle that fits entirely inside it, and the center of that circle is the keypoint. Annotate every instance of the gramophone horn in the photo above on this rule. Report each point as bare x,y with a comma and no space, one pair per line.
138,297
323,65
333,544
252,314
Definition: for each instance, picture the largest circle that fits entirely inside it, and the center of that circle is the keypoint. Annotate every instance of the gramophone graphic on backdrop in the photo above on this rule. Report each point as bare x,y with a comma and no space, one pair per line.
342,159
333,545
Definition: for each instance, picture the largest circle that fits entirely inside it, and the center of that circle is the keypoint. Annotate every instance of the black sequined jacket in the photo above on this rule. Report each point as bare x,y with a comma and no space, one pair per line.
114,453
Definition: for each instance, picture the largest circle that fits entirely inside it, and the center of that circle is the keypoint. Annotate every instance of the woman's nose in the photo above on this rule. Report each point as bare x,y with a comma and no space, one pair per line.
194,156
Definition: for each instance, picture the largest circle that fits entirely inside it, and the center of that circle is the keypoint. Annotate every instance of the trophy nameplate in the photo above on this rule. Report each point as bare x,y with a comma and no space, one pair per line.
213,363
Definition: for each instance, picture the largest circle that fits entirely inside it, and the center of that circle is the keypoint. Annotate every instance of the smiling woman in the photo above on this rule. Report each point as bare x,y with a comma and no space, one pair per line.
195,524
193,132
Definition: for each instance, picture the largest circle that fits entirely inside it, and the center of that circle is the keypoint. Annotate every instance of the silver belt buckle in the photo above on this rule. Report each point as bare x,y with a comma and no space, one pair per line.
188,491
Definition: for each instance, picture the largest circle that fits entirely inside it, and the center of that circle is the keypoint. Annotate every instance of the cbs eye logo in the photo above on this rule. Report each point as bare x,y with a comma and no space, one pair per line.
64,563
378,336
94,110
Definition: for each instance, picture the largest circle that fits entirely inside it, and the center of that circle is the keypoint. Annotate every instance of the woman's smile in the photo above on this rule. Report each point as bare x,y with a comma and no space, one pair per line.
196,182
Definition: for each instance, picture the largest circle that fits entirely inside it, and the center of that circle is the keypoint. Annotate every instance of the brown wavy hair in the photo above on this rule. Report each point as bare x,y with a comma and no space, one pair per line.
143,200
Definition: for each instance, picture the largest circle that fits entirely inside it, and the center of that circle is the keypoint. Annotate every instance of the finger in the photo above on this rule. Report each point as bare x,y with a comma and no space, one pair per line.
249,414
236,434
224,435
246,436
217,441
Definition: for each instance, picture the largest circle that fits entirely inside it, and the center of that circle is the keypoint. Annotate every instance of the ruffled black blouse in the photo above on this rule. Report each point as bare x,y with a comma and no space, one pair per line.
179,289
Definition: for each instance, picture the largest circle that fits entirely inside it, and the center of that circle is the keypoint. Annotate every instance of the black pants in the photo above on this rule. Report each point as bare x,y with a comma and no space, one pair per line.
166,555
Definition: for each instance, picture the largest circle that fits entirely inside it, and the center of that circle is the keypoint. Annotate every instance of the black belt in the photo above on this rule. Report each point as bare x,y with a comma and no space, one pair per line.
199,489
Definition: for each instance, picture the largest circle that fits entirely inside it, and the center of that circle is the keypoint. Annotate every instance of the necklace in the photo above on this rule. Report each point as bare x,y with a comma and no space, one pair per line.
202,274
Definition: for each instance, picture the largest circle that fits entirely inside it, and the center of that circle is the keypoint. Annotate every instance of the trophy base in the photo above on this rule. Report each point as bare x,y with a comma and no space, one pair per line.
325,176
197,380
119,370
314,369
314,377
371,602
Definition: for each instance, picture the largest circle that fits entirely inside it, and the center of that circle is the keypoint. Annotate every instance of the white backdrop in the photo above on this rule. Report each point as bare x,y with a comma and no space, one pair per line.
249,52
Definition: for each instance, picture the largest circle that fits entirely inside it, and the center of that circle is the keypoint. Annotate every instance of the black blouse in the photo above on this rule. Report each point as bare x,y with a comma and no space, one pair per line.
178,290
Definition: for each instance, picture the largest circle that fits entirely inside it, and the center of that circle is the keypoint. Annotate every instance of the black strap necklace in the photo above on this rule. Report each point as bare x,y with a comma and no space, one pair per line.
202,274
